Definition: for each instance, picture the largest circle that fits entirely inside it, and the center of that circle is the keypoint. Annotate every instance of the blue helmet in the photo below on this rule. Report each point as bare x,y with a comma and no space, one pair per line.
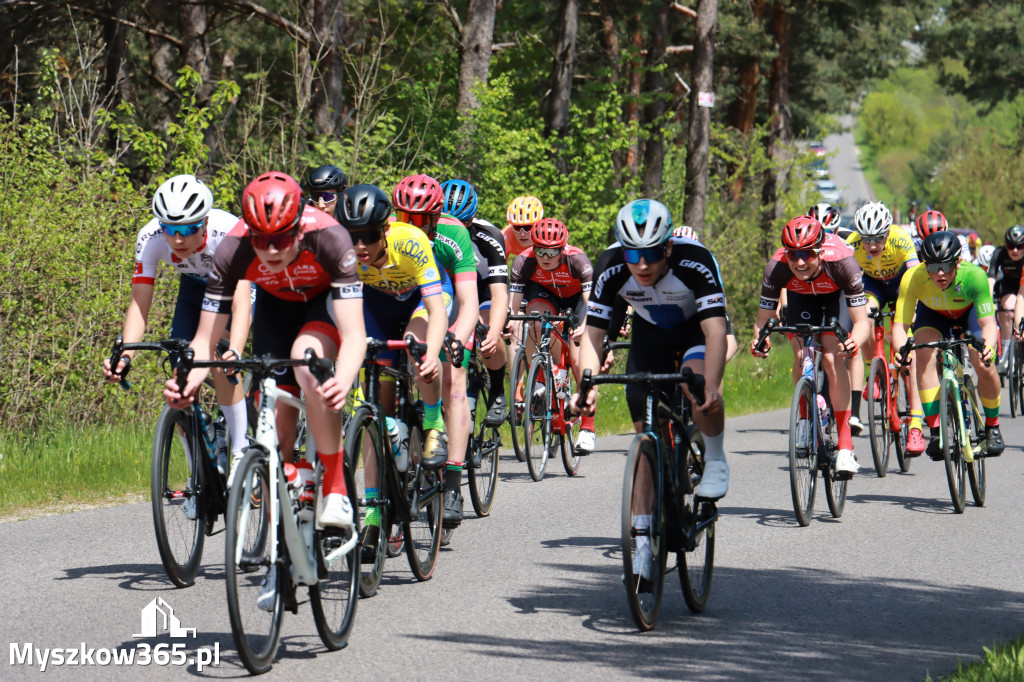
459,199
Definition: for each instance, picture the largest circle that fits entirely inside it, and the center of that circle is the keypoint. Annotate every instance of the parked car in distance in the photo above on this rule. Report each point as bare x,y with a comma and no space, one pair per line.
829,192
817,147
819,169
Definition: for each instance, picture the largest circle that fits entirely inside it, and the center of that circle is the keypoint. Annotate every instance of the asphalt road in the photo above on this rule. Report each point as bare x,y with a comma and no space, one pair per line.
900,586
844,164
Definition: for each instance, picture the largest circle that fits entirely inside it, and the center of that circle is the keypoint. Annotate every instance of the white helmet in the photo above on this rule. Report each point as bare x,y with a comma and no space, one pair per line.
872,219
643,223
985,255
182,200
827,215
685,231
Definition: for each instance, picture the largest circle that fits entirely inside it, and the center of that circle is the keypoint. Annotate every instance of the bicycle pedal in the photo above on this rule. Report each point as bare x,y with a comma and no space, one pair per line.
843,475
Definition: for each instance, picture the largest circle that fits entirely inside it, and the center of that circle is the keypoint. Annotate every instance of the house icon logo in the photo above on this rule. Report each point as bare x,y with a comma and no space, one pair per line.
158,616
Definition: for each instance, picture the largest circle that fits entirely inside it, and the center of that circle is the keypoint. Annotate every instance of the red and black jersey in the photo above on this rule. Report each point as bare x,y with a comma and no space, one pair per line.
838,271
573,275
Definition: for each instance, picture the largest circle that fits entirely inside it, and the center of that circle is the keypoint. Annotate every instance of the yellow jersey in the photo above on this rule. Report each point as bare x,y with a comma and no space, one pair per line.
410,265
899,251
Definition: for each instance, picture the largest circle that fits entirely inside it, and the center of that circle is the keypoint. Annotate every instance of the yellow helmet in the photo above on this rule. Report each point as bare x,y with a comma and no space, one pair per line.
525,211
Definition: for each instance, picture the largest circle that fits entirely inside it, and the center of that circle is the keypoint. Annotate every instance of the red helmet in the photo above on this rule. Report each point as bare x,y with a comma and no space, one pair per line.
272,203
549,233
803,232
930,222
419,194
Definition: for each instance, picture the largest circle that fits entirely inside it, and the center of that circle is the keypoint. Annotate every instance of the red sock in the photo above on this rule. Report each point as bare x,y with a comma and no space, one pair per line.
932,420
845,437
587,424
334,473
991,421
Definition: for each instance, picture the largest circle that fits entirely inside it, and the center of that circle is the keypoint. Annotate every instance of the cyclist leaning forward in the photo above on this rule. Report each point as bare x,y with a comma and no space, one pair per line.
303,262
1004,273
936,296
418,200
816,268
884,252
403,291
551,277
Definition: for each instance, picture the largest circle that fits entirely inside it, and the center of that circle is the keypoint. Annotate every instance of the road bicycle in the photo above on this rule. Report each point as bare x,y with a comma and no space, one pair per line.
663,470
888,397
410,499
485,443
518,371
1015,372
274,544
187,492
812,424
961,419
547,422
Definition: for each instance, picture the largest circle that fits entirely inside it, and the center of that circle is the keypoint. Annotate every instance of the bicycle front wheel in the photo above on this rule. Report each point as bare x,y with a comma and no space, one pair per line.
803,456
336,592
878,416
174,491
903,413
483,474
644,550
1013,374
537,417
517,377
697,566
423,533
255,606
362,445
570,458
976,469
835,493
952,446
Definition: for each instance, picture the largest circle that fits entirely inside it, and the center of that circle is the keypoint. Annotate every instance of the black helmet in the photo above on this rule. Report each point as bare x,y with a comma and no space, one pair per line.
363,207
941,247
325,179
1015,236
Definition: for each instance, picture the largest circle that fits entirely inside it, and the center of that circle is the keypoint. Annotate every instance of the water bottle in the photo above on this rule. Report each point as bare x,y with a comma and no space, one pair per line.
307,493
823,412
221,443
210,435
399,435
291,475
561,382
396,438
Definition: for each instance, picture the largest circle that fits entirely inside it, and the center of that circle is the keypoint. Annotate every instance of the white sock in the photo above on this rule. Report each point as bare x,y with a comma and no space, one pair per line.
713,447
641,522
1006,346
237,422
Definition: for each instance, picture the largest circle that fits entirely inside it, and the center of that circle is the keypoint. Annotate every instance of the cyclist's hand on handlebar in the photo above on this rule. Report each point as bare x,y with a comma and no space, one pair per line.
848,346
490,343
333,393
713,403
986,355
587,408
180,399
122,367
577,332
765,347
609,360
429,369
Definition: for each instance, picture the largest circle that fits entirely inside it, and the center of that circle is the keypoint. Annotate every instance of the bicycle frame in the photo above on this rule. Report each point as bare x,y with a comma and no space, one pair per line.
896,422
543,346
951,367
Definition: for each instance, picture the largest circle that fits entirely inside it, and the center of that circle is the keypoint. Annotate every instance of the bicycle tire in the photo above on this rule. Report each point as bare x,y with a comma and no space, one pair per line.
537,418
878,416
1013,374
256,631
362,442
483,478
976,469
175,479
1020,375
803,459
697,566
835,493
952,452
336,594
423,533
643,595
517,376
571,460
903,412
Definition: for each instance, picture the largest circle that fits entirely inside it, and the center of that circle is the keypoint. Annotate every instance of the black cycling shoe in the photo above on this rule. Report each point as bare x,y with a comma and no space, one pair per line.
995,441
934,449
497,413
370,542
452,516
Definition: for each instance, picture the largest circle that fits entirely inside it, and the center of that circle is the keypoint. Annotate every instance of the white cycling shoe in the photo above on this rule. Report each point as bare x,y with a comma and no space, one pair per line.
337,512
268,594
846,462
856,425
643,558
236,459
188,508
715,481
586,442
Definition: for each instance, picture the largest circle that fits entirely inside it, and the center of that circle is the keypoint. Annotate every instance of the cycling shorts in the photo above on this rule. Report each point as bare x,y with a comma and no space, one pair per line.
187,309
277,323
814,309
884,290
386,317
925,317
534,292
660,350
1005,287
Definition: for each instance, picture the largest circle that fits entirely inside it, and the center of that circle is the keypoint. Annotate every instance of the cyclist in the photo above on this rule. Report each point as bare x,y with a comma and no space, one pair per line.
418,200
191,229
402,292
884,252
522,213
1004,274
461,201
942,293
303,262
985,254
829,217
816,268
324,185
553,276
676,293
931,222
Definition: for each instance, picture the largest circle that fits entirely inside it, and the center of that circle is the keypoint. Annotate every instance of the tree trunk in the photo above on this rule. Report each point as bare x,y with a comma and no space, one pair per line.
195,51
561,73
772,209
632,109
475,60
162,60
654,112
114,74
699,135
325,50
744,107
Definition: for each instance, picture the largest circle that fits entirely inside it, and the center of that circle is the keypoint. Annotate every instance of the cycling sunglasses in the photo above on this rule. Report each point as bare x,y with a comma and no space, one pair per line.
802,254
371,236
545,252
183,230
522,228
652,254
280,241
326,197
936,268
876,239
417,219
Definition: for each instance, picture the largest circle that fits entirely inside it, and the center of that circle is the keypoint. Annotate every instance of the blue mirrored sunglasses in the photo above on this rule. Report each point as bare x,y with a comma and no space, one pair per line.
651,255
326,197
183,230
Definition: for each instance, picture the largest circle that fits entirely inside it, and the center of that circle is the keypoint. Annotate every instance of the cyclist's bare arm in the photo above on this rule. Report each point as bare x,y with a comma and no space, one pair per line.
437,327
714,362
763,316
134,324
241,317
349,315
469,310
499,307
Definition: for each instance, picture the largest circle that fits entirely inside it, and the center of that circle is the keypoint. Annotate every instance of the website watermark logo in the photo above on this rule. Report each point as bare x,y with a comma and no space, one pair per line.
156,618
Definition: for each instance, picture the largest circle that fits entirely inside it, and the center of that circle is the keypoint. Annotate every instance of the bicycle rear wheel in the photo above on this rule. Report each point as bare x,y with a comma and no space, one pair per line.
483,474
697,566
537,417
903,413
517,377
362,445
336,593
835,493
976,469
247,558
423,533
570,459
878,416
175,481
803,457
952,447
1013,374
643,573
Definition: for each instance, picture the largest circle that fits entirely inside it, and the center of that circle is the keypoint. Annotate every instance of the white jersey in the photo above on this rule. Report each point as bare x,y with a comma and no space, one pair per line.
152,247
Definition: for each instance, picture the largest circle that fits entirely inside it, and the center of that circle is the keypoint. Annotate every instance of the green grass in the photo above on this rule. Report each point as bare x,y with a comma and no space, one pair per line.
1004,662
